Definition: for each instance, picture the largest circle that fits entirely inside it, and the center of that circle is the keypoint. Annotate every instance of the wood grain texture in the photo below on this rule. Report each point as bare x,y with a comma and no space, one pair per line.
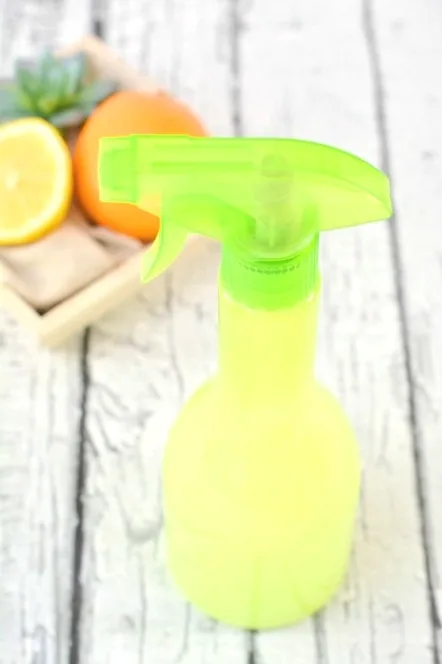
39,415
362,74
143,361
304,70
29,26
39,419
406,43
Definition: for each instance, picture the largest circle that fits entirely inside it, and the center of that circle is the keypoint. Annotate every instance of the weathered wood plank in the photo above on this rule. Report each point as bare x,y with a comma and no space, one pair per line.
184,47
304,70
39,417
29,26
144,360
406,45
40,395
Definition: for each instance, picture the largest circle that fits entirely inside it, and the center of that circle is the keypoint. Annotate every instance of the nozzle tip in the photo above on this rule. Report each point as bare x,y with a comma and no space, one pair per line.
117,177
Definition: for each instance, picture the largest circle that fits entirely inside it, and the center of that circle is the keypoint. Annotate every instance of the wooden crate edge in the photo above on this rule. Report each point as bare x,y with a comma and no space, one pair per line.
92,302
14,304
107,61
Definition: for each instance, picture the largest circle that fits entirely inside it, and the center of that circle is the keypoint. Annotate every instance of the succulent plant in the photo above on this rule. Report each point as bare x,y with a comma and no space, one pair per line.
53,88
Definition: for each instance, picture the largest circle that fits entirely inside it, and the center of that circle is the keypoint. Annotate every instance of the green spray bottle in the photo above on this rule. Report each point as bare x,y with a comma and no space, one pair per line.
261,472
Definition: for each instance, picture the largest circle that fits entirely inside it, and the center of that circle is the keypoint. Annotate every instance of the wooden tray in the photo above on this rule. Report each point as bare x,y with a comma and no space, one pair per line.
105,293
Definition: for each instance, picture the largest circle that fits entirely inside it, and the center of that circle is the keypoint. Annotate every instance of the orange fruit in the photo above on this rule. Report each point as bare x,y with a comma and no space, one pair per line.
126,112
35,180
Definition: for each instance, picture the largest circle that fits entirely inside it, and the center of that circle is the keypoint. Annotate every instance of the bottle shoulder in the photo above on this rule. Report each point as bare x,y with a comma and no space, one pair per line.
300,464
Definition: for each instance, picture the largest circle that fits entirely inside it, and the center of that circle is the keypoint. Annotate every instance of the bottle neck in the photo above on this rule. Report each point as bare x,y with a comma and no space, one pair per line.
271,284
266,356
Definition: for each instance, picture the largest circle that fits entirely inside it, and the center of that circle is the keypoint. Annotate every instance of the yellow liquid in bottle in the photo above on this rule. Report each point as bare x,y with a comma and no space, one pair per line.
261,476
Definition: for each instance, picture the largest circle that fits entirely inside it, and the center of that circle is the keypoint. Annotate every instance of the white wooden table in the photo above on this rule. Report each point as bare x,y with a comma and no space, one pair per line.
82,578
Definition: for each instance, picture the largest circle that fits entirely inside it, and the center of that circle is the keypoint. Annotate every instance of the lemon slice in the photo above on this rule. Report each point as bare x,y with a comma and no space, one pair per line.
35,180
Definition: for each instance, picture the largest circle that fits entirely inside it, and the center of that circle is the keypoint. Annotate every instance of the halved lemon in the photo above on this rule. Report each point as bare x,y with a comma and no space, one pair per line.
35,180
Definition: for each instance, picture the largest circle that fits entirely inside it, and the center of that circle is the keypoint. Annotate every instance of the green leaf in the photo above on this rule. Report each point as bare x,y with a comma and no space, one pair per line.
14,103
26,90
56,82
45,64
48,103
24,101
31,79
96,92
70,117
26,79
27,83
74,69
47,96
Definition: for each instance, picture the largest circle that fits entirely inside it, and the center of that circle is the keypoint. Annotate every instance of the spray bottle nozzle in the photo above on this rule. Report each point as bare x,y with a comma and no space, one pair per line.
264,199
118,181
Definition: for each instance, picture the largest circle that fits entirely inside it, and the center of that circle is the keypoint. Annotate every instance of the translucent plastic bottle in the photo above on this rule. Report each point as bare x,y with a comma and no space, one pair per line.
261,471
